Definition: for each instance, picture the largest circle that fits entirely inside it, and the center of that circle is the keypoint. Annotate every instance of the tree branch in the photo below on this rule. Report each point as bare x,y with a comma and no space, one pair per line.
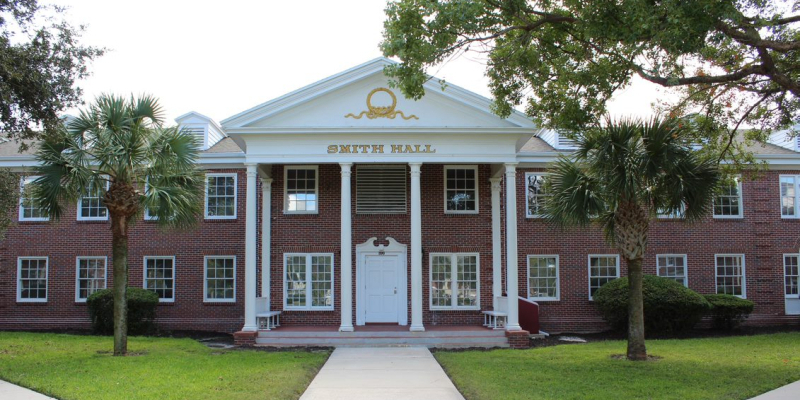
757,69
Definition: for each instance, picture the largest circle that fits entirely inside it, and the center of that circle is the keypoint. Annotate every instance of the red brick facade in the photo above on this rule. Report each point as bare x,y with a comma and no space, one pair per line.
762,236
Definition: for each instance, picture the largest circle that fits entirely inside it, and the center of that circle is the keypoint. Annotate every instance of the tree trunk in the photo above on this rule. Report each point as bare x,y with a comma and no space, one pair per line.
119,251
636,348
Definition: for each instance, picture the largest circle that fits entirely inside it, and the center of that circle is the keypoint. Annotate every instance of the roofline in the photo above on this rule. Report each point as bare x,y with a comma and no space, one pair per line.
373,130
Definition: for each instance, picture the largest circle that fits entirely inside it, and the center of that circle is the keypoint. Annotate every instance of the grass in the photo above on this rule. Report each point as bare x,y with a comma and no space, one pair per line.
719,368
82,367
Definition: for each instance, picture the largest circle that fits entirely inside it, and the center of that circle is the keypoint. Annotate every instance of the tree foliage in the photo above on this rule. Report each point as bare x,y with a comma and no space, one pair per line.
731,63
40,63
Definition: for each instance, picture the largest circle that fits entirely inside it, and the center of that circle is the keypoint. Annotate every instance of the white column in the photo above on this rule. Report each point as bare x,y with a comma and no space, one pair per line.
250,251
497,245
511,248
416,250
266,238
346,261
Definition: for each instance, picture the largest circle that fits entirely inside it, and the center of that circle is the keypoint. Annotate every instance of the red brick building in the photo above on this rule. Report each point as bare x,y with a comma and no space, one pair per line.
343,204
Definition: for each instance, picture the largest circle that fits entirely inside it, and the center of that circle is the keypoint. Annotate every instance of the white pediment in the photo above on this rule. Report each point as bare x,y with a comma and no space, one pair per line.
341,102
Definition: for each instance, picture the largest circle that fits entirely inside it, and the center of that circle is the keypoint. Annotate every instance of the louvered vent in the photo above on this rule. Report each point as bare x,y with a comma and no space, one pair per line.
381,189
564,142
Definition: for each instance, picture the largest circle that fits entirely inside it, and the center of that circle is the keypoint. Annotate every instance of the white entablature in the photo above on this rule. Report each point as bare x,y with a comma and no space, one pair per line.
355,116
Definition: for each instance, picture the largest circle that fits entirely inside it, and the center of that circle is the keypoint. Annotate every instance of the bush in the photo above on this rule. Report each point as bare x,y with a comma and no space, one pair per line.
728,311
141,311
668,305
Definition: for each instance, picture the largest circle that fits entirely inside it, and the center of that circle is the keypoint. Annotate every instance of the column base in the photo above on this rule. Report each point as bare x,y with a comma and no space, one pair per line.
250,328
417,328
514,327
344,328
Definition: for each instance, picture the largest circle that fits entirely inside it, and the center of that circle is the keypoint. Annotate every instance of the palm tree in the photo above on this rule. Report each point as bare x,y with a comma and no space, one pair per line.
120,151
622,176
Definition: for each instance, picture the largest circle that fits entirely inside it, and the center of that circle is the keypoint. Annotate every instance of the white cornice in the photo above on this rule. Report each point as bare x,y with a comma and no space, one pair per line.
379,130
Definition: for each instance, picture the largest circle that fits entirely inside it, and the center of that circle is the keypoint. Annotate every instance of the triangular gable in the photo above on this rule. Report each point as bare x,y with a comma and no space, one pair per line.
340,101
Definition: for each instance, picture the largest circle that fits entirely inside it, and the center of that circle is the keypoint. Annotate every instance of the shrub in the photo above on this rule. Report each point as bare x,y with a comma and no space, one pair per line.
728,311
141,311
668,305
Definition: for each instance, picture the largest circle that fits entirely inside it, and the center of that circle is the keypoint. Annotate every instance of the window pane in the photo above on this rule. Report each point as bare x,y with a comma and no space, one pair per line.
730,274
91,276
788,196
790,265
321,281
220,278
301,192
467,281
672,266
535,193
159,274
605,269
221,196
461,193
542,277
32,279
727,202
441,273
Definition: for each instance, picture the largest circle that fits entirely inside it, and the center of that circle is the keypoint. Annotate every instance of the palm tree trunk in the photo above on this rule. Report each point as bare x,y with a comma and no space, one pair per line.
636,347
119,251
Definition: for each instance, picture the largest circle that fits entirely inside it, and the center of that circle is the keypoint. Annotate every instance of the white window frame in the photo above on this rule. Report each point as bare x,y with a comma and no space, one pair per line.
454,281
558,278
744,273
147,216
795,180
527,199
309,298
24,181
589,270
206,299
174,276
286,188
796,255
680,215
78,259
20,299
80,209
741,203
477,185
235,195
685,267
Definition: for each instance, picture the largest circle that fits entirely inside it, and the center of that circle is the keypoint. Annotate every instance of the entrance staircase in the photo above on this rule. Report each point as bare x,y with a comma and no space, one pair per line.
448,337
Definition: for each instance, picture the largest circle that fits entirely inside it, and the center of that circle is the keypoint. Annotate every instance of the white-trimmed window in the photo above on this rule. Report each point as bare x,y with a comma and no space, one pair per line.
461,189
27,205
32,279
603,268
91,207
90,276
672,266
543,282
791,272
159,276
679,214
730,274
220,278
728,203
789,194
220,196
301,189
534,194
308,281
455,281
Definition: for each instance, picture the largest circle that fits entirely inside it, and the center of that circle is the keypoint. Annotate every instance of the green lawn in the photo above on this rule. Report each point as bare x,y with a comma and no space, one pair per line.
81,367
719,368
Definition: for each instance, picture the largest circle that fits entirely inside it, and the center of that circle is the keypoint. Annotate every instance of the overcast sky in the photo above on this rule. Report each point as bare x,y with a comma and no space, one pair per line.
222,57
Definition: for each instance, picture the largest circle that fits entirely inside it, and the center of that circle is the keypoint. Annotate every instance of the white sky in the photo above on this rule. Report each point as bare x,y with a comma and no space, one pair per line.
222,57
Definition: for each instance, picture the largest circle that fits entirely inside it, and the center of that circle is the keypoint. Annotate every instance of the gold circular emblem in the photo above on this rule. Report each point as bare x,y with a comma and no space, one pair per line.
381,110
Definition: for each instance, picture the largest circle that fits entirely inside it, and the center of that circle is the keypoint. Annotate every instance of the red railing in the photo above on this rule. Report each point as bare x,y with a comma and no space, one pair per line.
529,315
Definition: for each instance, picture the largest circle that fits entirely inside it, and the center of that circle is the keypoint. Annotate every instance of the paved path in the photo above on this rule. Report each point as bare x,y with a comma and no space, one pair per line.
386,373
788,392
10,391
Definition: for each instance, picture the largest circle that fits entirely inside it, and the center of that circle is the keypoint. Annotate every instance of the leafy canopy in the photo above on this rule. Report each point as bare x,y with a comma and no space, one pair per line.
730,63
122,143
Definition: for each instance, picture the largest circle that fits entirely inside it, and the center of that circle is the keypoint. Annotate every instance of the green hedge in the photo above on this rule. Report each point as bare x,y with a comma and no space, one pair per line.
728,311
141,311
668,305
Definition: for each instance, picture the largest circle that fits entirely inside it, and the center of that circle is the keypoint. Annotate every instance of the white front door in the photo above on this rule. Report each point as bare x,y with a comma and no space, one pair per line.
382,278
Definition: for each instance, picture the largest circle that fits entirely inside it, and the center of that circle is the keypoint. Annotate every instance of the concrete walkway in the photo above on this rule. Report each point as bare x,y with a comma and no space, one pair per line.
386,373
788,392
10,391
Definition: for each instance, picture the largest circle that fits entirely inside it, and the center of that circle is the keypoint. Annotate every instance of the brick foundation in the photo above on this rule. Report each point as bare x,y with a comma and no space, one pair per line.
518,339
244,339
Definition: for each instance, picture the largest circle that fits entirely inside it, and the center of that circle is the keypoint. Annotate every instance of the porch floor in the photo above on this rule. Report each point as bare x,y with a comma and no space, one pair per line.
386,335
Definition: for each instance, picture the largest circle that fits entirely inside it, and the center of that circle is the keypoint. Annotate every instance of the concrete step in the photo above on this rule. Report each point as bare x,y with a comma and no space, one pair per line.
393,334
380,340
449,345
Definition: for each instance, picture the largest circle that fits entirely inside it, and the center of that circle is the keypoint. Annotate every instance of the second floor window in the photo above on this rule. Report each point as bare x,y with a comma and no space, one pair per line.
461,189
301,184
221,196
789,193
28,211
728,203
535,194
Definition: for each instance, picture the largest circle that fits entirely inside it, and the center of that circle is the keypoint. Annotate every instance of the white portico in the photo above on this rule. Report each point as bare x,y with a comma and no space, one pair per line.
354,119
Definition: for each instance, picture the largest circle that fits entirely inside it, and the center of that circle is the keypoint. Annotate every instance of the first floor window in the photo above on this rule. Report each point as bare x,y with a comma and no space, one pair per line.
730,274
308,281
220,196
301,186
535,194
789,193
461,189
91,276
728,202
672,266
543,277
602,269
220,279
454,281
28,209
790,273
32,279
159,276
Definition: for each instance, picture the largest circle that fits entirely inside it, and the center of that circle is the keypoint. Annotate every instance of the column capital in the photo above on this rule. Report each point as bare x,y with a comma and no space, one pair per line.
495,184
415,168
252,169
346,169
511,168
266,183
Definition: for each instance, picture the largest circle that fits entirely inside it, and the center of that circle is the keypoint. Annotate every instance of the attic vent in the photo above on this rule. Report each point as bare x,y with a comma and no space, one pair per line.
565,142
195,131
797,144
381,189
